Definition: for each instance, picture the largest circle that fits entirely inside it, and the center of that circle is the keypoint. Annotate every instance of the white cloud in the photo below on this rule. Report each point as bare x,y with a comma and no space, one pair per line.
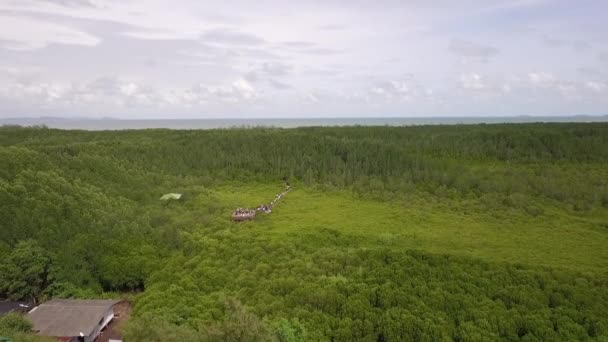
598,87
493,6
472,50
575,44
162,34
279,85
312,98
40,93
22,34
403,89
129,89
541,79
71,3
20,73
128,92
244,89
333,57
566,88
101,91
276,68
394,89
472,81
569,90
230,37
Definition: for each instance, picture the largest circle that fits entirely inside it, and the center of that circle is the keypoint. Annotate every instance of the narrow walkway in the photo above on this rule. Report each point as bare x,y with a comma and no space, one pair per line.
268,208
244,214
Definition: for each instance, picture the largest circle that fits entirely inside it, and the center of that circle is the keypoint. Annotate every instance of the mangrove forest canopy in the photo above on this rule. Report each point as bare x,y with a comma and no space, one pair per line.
425,233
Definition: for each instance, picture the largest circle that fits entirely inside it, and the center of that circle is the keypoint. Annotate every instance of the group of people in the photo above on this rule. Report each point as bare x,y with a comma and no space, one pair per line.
266,208
243,212
279,196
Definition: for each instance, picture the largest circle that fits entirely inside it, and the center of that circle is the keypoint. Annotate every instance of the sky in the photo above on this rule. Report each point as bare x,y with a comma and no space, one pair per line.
317,58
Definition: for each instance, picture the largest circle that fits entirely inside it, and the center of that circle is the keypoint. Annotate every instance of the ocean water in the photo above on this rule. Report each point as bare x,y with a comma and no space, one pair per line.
120,124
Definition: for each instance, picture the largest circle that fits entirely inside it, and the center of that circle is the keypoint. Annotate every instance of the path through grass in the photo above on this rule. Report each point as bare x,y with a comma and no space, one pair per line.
555,238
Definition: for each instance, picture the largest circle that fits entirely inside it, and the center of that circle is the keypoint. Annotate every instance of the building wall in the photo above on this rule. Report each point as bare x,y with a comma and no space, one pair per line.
107,317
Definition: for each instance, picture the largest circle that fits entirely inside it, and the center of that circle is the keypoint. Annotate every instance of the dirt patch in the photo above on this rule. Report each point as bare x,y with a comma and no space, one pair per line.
122,312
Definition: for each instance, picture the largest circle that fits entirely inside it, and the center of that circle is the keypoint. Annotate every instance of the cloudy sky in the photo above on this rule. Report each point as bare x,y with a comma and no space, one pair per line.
316,58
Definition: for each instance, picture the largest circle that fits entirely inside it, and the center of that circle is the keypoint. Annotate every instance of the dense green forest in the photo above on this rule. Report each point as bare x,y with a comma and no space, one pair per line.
427,233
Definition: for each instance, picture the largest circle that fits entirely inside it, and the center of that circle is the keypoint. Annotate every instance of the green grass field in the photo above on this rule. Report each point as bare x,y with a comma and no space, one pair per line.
554,238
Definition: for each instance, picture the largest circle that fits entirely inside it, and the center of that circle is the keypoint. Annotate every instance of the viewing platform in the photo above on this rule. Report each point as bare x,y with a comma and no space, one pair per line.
243,214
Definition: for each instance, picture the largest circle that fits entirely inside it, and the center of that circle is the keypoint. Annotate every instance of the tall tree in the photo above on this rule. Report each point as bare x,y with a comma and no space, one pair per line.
26,273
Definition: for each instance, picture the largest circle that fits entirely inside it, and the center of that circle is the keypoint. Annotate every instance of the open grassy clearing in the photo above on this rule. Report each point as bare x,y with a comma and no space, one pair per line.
555,238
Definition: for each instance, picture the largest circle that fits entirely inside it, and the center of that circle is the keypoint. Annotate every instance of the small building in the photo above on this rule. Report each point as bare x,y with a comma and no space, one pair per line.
71,319
171,196
21,307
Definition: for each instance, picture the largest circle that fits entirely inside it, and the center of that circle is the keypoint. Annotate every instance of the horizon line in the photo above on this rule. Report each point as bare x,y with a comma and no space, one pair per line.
305,117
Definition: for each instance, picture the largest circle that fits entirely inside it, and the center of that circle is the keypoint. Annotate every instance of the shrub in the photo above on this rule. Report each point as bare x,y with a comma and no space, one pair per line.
14,322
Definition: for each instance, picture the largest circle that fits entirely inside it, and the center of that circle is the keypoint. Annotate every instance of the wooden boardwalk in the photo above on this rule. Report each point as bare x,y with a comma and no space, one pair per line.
245,214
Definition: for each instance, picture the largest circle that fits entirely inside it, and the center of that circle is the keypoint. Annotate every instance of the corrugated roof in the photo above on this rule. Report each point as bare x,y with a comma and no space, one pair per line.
69,317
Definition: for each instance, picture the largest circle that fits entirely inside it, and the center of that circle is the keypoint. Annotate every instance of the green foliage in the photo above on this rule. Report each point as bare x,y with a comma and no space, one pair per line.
480,232
155,329
238,325
559,161
15,327
349,293
26,272
290,331
14,323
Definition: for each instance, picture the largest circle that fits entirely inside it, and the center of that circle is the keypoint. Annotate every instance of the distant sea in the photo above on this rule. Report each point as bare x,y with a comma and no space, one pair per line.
95,124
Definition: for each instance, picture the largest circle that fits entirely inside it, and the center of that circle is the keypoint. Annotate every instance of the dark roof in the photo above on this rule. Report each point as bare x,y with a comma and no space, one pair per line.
6,307
69,317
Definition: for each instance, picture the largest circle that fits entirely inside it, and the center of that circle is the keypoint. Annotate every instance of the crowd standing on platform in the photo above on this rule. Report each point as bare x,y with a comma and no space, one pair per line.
265,208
